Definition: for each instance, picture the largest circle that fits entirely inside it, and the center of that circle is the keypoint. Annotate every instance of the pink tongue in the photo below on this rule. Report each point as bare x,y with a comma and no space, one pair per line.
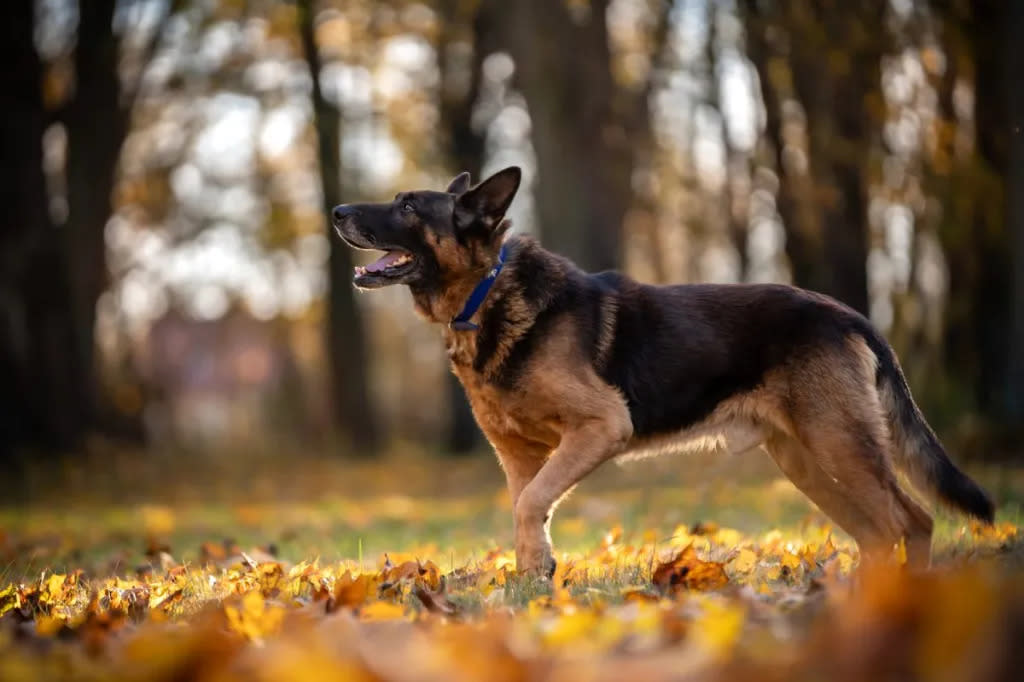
384,262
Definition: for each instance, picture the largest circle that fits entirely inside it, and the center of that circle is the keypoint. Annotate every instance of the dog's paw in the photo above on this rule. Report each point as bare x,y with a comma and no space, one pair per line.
539,563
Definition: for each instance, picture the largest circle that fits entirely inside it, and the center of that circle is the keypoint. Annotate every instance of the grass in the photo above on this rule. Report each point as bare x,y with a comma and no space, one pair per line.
254,554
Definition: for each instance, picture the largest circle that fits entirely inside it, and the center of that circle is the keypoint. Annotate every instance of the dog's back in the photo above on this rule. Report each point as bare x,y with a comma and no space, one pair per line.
566,370
735,366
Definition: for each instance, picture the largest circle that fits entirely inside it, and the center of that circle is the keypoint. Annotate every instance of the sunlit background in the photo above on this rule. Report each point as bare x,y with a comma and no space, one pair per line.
169,280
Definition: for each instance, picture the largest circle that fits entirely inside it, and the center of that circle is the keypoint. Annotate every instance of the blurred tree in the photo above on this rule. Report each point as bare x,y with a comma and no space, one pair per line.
346,339
999,117
983,210
52,314
588,129
463,26
42,392
731,204
969,176
1015,210
826,61
824,56
101,93
92,154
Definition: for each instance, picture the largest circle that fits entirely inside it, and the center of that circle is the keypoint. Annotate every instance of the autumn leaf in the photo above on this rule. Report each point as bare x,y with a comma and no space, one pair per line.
688,571
704,528
253,617
435,602
604,610
382,610
9,599
351,591
744,561
718,628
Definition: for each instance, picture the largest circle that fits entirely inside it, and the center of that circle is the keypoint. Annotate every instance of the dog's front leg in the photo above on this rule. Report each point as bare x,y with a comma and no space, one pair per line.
581,450
520,460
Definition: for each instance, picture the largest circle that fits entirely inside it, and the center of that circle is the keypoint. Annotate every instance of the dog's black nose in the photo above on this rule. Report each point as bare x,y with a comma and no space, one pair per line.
344,211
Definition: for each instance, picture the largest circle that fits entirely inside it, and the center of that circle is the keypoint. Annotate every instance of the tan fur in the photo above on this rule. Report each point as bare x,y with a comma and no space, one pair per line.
834,416
462,267
839,453
561,424
737,425
820,418
823,424
519,315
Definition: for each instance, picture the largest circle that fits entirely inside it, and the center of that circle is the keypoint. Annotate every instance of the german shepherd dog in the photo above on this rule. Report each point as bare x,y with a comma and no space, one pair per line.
566,370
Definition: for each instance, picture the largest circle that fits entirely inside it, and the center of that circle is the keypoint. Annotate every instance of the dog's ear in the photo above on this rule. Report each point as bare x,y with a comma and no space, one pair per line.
487,203
460,184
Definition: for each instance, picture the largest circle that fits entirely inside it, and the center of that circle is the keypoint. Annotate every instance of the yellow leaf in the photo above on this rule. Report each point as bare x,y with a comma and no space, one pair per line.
745,561
538,606
351,591
382,610
584,629
638,594
559,581
718,628
254,618
54,586
9,599
48,626
728,537
790,561
612,537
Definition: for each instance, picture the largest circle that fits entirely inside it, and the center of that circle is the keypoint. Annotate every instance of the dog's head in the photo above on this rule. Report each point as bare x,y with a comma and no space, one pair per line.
430,239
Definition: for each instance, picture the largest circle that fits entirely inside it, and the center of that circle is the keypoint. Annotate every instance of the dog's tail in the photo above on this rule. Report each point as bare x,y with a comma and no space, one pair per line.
918,452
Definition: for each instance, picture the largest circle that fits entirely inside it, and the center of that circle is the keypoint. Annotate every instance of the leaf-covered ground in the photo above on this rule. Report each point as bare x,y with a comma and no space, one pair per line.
401,571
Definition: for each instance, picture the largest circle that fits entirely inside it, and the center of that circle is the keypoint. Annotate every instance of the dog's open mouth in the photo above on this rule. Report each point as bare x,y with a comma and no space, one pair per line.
393,263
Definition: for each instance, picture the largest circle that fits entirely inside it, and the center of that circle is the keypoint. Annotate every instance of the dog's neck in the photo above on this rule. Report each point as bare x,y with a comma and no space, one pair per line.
508,293
443,303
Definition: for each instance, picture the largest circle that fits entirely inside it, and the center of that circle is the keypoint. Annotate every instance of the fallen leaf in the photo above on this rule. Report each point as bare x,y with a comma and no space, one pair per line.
689,571
435,602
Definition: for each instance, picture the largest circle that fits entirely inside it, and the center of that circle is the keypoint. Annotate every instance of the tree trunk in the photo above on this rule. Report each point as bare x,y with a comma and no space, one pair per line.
466,150
996,216
97,121
845,219
41,390
761,51
585,162
1015,211
735,221
346,340
834,57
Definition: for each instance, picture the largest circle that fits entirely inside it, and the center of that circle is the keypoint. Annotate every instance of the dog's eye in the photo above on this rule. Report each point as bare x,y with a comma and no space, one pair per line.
407,208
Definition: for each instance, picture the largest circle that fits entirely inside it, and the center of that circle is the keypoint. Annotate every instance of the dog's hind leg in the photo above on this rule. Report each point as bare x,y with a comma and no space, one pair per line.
863,503
839,457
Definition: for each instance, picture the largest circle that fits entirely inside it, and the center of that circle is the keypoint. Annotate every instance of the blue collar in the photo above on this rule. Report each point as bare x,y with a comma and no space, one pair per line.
461,321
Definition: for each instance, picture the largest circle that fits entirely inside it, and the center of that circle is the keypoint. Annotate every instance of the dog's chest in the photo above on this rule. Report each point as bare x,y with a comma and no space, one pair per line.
461,349
505,415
